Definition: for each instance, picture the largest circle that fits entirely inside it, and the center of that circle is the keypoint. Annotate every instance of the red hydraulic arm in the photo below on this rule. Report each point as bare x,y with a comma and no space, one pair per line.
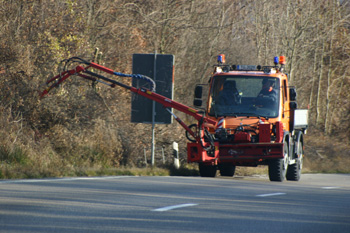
82,70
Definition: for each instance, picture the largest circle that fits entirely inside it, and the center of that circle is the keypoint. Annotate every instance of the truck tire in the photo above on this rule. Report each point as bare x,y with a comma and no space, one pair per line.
294,170
227,170
278,167
207,170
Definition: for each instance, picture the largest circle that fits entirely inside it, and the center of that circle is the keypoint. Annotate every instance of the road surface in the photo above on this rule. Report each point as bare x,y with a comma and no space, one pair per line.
317,203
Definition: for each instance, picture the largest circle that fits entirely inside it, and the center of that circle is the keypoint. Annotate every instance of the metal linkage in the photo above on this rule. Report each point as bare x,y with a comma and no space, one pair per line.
81,71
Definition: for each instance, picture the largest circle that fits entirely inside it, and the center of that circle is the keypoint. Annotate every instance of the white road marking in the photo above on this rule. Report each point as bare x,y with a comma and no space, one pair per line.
330,187
61,179
270,194
174,207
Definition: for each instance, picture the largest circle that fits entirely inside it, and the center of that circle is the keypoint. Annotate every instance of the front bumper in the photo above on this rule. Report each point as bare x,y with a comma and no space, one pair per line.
249,152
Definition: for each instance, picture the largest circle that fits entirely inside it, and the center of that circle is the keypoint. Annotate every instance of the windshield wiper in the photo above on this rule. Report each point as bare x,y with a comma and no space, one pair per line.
250,114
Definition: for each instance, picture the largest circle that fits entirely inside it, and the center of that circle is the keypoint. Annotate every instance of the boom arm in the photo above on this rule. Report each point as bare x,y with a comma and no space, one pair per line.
84,72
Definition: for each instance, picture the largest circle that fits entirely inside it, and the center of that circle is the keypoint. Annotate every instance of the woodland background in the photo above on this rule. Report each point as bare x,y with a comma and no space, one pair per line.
80,130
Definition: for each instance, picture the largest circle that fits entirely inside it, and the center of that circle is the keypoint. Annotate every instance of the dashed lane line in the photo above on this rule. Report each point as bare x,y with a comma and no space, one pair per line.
270,194
167,208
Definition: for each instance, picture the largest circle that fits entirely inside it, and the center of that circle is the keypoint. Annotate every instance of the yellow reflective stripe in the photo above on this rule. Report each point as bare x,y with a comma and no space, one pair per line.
192,110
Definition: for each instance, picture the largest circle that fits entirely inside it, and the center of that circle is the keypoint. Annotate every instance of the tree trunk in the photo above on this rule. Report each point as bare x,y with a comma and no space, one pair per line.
318,119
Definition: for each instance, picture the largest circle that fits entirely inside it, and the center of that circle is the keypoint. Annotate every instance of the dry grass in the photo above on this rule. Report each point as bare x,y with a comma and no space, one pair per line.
98,152
249,171
326,154
88,155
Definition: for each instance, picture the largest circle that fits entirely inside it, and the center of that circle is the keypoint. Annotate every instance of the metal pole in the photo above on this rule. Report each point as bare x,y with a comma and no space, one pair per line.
153,109
153,125
163,155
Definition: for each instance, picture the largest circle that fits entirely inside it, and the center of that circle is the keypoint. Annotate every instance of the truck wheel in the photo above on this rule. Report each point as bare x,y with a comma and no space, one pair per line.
227,170
294,170
207,170
278,167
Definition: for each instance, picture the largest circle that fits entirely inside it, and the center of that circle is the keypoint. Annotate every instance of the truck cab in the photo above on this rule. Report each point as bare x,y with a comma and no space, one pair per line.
258,121
245,96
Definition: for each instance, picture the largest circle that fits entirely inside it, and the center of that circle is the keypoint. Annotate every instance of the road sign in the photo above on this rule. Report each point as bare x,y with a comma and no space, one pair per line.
160,68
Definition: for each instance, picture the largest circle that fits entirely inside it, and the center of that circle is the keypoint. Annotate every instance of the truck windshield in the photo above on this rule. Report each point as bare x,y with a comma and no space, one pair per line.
244,96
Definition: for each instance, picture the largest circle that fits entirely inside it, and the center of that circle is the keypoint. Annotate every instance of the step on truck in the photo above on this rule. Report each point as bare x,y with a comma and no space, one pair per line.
258,122
250,119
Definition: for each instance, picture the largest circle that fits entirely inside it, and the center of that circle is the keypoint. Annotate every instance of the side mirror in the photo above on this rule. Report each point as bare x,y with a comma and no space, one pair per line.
198,92
292,94
293,105
197,102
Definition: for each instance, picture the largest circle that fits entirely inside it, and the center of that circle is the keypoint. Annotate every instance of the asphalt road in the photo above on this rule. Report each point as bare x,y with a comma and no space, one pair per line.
318,203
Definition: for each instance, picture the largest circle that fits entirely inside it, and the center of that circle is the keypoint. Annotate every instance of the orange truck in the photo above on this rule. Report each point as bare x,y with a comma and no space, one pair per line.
258,122
251,116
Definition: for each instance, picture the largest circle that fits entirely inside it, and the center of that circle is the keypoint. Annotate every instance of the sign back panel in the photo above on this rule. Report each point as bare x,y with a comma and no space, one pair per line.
160,68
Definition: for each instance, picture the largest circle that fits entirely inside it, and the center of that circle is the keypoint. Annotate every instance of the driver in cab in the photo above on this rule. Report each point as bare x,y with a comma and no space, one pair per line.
268,95
229,94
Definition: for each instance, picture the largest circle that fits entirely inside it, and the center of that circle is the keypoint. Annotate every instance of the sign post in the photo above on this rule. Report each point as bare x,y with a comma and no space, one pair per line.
160,68
153,108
